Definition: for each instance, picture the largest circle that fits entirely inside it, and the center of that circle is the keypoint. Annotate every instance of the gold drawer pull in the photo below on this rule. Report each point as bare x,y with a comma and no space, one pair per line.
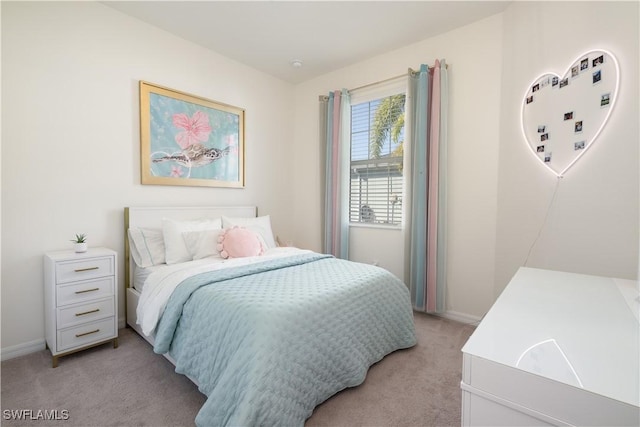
87,290
80,270
87,333
88,312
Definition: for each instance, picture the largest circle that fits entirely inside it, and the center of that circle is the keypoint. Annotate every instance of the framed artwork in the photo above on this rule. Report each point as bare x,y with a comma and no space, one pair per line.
188,140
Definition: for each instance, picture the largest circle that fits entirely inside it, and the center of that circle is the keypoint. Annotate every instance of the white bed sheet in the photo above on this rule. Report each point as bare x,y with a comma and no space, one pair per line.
140,275
161,283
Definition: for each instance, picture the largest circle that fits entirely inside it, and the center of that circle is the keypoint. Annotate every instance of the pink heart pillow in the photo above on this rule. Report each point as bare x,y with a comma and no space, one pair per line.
238,242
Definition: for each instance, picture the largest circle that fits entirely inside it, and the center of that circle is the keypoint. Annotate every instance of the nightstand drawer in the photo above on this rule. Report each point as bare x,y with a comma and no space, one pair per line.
86,334
83,313
83,269
84,291
80,300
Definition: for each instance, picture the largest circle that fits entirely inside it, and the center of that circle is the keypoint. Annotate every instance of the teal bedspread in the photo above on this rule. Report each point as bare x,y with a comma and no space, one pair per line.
269,341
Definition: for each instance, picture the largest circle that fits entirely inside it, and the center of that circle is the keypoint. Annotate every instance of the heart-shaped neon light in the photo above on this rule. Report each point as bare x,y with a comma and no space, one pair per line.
562,115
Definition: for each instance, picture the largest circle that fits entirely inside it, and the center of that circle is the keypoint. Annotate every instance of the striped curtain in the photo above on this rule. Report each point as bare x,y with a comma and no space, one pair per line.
427,112
334,119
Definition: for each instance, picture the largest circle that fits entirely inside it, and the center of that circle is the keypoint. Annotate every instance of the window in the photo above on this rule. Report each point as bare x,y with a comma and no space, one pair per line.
376,182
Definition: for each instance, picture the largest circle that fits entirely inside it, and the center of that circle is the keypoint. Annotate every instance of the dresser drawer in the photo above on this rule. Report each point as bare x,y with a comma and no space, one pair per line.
83,269
84,291
86,334
83,313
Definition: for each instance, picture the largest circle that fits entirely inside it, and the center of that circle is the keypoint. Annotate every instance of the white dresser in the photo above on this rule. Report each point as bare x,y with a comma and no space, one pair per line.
555,349
81,300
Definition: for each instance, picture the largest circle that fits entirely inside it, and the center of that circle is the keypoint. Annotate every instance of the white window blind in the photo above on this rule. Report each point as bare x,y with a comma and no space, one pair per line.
377,138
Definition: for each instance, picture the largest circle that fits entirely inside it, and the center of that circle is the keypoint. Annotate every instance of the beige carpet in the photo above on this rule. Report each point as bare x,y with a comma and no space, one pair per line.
132,386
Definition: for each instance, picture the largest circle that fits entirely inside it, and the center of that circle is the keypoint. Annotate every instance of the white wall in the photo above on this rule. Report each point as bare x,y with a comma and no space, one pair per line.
474,54
70,140
70,146
592,226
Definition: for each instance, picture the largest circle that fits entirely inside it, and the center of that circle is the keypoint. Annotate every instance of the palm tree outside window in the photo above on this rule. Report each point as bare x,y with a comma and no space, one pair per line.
376,179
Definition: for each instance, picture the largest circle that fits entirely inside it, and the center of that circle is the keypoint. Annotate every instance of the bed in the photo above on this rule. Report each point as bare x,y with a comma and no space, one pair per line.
266,336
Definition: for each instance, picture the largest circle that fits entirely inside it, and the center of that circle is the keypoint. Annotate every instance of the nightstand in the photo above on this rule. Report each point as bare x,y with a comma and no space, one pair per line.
81,300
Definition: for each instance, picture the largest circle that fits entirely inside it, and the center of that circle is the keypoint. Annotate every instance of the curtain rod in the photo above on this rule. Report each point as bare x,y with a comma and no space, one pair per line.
378,82
410,71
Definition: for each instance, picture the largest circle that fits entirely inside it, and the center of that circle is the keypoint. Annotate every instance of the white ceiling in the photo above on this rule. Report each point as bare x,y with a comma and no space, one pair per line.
324,35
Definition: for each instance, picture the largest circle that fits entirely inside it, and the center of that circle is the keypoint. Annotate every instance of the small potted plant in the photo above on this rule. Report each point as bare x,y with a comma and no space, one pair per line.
80,243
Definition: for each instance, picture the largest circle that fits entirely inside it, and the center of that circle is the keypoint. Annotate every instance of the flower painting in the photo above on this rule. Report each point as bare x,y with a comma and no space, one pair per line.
188,140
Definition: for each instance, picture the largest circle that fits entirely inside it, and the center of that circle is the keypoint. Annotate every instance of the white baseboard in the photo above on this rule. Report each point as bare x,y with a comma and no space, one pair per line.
22,349
461,317
35,345
38,345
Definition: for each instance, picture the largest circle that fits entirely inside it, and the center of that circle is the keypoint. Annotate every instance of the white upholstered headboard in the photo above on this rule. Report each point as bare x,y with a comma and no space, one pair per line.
151,217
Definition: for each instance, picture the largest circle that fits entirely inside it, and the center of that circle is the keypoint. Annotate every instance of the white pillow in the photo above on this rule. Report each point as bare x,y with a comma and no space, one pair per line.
260,225
202,244
175,248
146,246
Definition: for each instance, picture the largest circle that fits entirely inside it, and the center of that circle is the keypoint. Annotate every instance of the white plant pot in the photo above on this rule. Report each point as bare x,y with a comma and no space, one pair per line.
80,247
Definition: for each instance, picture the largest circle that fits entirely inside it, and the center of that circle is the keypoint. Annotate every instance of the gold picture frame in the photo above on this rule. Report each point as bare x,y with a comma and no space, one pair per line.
189,140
